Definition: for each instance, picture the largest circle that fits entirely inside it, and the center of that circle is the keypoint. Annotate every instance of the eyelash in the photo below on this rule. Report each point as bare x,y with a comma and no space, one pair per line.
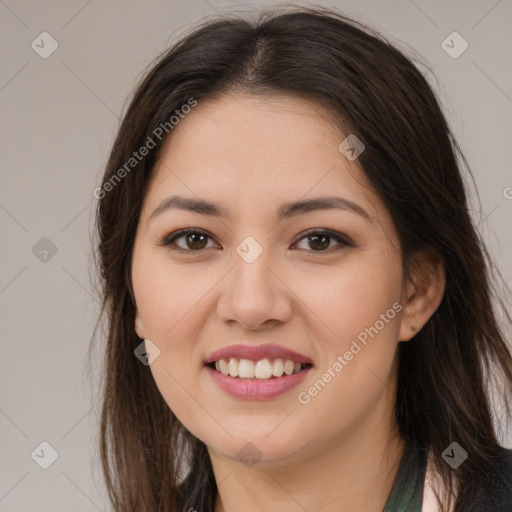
168,240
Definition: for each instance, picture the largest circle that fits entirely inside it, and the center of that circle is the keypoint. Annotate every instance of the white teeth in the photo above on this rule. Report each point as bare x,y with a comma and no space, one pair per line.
246,369
289,366
262,369
278,368
224,367
233,367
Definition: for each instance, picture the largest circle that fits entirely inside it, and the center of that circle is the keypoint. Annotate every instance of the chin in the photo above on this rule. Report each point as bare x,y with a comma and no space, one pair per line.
258,447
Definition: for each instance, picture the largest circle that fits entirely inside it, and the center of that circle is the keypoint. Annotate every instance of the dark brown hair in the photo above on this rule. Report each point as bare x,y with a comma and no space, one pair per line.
414,164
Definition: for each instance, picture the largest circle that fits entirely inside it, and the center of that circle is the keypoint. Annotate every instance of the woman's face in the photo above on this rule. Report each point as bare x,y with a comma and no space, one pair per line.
264,273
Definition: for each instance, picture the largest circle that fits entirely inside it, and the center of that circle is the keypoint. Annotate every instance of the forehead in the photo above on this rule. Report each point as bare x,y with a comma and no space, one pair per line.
259,150
273,129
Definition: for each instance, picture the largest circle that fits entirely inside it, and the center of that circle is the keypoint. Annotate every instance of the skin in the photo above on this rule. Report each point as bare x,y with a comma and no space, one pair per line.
249,153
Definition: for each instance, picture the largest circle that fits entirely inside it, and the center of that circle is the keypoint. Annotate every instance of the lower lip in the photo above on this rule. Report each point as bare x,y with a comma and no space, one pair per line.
254,389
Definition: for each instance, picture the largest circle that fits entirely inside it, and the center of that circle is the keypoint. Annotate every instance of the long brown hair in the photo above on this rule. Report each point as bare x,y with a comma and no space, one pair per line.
413,163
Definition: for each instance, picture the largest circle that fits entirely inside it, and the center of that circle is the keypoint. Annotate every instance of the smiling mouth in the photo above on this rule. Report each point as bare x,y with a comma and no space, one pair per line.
262,369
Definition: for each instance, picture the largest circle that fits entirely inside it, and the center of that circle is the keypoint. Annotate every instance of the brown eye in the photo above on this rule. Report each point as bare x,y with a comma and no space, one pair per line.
320,241
191,240
196,241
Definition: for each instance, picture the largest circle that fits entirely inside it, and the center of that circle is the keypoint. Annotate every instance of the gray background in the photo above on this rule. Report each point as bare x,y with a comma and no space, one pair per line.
58,119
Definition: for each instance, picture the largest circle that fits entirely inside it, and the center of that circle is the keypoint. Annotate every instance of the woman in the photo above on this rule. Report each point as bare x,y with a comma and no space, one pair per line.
300,311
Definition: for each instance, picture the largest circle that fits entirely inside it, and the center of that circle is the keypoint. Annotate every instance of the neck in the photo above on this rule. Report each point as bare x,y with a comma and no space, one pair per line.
354,473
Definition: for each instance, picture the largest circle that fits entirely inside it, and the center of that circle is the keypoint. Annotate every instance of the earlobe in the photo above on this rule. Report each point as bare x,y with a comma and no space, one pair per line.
423,294
139,328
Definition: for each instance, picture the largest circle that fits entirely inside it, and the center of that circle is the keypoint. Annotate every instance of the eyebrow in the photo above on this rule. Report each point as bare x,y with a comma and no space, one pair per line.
286,210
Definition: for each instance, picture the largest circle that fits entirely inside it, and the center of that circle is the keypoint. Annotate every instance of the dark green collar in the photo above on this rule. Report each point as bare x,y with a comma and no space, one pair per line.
407,492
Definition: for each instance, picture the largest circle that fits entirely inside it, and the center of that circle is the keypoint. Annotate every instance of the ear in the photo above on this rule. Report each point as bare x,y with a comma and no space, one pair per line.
139,328
423,292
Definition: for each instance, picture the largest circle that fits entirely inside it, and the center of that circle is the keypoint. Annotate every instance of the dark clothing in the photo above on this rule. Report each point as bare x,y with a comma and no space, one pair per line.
407,492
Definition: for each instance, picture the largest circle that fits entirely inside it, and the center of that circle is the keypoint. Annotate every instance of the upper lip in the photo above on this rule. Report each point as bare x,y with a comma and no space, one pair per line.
256,352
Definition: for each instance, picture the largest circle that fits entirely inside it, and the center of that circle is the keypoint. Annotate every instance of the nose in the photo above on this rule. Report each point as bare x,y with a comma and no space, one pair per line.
254,295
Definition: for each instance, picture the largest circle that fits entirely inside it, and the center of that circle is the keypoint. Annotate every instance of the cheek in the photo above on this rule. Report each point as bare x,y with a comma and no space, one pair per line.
173,303
343,301
170,300
167,295
355,317
360,312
